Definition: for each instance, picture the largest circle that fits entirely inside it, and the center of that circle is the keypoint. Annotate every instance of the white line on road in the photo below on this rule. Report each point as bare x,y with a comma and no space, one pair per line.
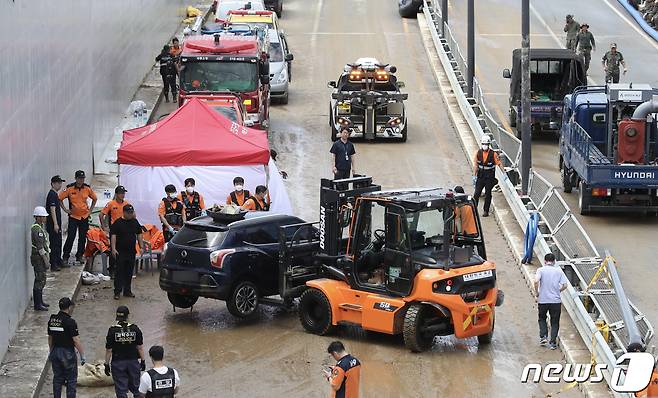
316,23
351,34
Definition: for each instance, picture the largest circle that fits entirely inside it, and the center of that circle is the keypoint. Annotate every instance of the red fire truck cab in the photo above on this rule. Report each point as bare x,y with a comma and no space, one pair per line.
228,64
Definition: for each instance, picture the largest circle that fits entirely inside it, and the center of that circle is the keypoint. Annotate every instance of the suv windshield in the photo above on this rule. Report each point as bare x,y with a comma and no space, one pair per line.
193,237
219,76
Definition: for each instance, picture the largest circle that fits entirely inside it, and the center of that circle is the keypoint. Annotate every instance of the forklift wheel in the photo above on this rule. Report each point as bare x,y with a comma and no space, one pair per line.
315,312
485,339
414,338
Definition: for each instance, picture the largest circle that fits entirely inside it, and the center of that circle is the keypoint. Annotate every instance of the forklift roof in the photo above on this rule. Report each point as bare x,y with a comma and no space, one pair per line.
416,199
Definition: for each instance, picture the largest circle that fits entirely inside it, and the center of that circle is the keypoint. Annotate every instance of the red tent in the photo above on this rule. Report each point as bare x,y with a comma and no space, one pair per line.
194,135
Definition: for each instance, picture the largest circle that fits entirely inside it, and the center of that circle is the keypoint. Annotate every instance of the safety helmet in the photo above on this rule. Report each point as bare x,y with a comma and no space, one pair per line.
485,139
40,211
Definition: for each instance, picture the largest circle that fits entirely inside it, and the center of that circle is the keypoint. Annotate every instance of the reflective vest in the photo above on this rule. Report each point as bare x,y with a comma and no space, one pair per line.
486,167
265,207
192,208
173,215
234,197
162,386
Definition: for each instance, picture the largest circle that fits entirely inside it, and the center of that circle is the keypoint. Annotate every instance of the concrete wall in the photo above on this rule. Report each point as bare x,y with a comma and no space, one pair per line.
68,71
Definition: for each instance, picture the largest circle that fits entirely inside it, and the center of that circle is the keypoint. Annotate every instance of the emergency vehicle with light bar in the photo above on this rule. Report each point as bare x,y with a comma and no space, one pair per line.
232,60
609,147
262,19
366,99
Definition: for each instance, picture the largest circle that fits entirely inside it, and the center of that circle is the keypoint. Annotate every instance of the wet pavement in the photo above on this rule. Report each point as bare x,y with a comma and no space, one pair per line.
271,355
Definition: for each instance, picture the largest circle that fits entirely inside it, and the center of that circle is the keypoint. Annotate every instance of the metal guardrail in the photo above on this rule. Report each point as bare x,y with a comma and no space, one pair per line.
562,234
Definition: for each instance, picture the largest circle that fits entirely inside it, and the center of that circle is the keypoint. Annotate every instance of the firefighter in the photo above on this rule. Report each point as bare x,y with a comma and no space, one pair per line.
586,44
344,376
259,202
484,172
78,195
192,200
611,61
113,210
40,256
159,381
168,72
239,195
171,212
63,340
124,350
571,27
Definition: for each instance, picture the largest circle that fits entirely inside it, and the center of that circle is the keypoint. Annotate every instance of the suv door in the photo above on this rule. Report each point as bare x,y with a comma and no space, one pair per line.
400,271
261,242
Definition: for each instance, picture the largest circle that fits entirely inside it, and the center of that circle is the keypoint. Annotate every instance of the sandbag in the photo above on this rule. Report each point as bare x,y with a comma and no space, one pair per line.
93,375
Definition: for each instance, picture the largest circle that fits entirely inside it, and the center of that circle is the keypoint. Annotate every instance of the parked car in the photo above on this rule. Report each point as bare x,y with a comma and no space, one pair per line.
235,262
224,6
280,66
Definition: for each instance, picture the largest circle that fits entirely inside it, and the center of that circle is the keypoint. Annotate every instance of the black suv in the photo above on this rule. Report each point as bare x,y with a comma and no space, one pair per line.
235,262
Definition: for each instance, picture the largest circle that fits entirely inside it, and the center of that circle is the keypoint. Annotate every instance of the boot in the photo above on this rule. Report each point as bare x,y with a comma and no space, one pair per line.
166,97
173,97
43,302
38,301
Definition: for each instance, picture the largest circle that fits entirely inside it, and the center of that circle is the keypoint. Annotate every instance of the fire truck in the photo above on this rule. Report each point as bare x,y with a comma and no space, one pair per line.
229,61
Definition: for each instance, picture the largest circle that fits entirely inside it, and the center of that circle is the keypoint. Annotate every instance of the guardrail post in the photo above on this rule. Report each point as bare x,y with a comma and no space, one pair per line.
470,68
444,17
526,136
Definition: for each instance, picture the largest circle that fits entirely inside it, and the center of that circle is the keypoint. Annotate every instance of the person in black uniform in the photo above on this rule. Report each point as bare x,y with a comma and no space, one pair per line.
63,340
54,223
124,350
168,72
343,153
160,381
125,232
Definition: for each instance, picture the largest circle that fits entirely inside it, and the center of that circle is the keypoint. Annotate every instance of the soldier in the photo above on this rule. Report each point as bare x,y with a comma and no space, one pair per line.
40,256
124,348
586,44
611,61
571,28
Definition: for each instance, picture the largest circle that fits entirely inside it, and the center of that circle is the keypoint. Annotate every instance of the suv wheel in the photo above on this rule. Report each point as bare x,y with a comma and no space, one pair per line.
414,337
180,301
244,300
315,312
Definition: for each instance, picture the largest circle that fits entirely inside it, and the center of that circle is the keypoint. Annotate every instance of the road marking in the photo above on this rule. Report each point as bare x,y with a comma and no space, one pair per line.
351,33
316,23
633,25
518,34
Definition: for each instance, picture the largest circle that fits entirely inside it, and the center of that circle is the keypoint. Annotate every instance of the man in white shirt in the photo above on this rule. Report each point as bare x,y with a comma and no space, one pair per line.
549,282
160,381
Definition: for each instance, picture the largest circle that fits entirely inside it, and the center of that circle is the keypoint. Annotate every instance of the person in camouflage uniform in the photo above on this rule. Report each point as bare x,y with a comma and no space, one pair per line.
40,256
586,44
611,61
571,28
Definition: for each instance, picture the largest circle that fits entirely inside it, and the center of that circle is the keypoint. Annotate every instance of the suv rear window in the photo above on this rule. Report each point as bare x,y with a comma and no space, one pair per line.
194,237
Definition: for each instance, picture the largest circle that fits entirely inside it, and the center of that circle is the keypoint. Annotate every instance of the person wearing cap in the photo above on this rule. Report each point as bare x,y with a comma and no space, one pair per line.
465,224
63,340
586,44
571,28
239,195
125,352
113,209
125,232
40,256
192,200
611,61
78,195
54,223
161,380
171,212
484,172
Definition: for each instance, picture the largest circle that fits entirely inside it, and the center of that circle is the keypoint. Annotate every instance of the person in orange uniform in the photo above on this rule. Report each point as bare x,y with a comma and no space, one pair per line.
113,209
259,202
484,172
651,391
175,48
78,195
192,200
240,195
464,217
171,212
344,376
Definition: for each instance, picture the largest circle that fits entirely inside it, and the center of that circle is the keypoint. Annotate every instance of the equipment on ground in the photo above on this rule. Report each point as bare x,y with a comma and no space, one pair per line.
409,262
554,72
609,147
366,100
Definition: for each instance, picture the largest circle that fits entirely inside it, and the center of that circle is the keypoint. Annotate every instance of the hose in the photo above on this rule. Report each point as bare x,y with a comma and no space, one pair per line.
530,236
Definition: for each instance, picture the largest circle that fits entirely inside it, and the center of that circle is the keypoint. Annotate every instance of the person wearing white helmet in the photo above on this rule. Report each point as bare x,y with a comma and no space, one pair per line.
40,257
484,172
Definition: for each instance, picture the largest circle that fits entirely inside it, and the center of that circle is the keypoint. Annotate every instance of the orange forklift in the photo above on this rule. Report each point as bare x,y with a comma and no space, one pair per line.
410,262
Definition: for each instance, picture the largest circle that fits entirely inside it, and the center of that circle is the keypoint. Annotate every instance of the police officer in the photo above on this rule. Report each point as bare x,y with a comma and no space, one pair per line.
124,350
54,223
171,212
192,200
40,256
571,27
611,61
63,340
484,172
159,381
168,72
586,44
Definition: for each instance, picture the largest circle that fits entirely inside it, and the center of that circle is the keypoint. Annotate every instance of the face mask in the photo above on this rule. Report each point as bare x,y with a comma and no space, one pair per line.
190,189
485,147
171,195
239,187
